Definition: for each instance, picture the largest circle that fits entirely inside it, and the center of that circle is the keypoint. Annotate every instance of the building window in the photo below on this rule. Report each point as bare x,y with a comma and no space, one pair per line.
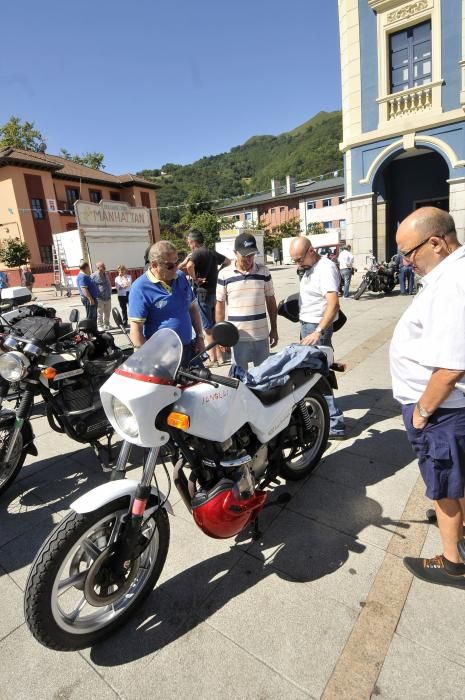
410,54
342,223
248,216
46,254
341,200
327,224
327,202
115,196
237,217
311,204
272,211
145,199
282,210
37,206
72,195
95,196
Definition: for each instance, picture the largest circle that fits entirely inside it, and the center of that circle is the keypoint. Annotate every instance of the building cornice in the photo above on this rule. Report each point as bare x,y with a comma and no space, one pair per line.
434,121
386,5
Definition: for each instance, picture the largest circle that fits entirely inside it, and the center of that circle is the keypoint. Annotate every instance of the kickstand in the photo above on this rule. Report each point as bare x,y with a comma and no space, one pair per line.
102,455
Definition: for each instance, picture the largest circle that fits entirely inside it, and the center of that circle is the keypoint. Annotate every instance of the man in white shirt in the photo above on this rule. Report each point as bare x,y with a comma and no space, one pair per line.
346,264
319,307
427,359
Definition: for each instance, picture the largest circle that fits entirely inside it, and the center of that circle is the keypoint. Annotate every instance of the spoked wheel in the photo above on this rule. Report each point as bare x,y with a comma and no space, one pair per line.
301,459
358,293
9,470
74,594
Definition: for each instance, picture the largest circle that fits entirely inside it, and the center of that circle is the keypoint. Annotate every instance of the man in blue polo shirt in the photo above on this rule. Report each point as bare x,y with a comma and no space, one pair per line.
163,298
88,291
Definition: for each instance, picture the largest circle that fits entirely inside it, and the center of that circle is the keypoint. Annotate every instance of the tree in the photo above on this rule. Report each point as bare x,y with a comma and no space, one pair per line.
14,253
290,227
315,228
92,159
13,134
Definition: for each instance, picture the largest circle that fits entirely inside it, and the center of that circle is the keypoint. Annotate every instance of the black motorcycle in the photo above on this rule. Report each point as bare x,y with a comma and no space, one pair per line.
64,366
379,277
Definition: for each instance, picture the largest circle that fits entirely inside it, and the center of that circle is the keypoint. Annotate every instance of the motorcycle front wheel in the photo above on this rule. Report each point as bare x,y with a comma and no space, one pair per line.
70,600
358,293
299,460
9,470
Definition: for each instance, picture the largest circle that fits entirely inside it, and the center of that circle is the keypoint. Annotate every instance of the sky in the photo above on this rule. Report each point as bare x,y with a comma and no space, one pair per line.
148,82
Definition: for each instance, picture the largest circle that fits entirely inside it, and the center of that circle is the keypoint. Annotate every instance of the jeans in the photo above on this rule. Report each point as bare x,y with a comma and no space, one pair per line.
336,417
346,274
123,302
91,309
406,280
246,351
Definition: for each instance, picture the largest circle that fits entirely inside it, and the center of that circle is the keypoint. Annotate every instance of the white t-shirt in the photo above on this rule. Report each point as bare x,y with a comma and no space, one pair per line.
318,280
123,284
345,260
431,333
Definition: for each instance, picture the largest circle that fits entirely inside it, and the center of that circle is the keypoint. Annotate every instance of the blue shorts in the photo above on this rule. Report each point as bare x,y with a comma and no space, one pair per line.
440,448
206,304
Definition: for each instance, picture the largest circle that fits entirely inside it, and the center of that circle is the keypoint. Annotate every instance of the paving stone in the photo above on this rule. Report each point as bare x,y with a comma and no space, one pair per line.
413,672
30,670
298,633
12,613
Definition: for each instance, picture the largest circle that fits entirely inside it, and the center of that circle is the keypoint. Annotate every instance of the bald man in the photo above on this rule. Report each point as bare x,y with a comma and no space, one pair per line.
427,358
318,308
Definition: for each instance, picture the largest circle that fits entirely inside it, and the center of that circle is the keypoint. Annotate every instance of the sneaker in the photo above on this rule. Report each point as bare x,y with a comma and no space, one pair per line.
433,571
337,436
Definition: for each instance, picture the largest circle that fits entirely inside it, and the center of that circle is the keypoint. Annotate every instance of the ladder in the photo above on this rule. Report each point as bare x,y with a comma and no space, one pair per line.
59,262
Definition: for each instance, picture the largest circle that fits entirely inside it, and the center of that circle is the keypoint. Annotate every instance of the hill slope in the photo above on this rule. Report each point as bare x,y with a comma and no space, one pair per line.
307,150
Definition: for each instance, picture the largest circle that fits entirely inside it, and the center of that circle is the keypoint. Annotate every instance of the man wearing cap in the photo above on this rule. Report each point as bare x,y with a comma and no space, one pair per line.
247,289
202,266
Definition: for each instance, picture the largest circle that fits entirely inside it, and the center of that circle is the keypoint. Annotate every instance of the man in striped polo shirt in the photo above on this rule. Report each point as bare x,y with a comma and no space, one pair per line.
247,289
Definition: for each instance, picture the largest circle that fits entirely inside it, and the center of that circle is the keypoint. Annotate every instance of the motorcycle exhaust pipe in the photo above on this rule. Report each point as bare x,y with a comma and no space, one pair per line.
180,481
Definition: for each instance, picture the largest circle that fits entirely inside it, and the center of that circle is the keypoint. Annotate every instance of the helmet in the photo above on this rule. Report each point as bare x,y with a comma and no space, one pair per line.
220,513
289,308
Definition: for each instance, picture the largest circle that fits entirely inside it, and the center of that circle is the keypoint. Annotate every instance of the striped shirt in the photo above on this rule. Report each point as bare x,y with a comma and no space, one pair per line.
244,293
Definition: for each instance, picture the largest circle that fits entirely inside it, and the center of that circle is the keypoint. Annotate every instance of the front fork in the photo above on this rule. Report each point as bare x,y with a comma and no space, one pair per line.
131,545
22,414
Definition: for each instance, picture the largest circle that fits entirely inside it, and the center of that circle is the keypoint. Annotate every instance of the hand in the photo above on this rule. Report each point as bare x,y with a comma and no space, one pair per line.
199,344
311,339
418,422
224,349
273,337
92,302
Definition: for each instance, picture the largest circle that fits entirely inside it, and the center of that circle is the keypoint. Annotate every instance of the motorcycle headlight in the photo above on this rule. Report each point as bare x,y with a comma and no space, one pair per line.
14,366
124,418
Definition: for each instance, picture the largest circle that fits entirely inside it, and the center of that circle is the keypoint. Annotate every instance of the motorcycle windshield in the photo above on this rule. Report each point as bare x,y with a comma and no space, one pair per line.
158,358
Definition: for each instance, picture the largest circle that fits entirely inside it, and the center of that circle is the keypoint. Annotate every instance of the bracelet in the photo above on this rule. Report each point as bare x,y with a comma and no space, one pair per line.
199,335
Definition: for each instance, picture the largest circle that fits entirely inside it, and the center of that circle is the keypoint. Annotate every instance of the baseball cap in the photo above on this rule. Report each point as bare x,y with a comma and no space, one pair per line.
245,244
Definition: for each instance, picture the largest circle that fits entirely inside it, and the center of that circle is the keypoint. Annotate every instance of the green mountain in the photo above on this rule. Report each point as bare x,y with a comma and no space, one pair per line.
306,151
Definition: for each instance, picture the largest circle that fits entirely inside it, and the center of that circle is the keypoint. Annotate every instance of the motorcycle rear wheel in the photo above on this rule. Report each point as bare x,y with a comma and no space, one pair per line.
66,607
358,293
299,462
9,470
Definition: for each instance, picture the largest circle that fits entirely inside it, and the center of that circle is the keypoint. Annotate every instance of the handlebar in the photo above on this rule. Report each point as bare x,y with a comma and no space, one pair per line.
204,375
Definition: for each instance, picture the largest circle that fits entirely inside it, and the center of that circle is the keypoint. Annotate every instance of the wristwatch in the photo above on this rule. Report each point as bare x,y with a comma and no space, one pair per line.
423,412
319,329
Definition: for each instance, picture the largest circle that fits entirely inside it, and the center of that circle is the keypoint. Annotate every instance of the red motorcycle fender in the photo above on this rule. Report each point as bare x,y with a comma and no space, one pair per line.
111,491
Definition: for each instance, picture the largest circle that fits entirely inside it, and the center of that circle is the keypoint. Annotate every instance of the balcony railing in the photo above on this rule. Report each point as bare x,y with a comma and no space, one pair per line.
409,102
65,208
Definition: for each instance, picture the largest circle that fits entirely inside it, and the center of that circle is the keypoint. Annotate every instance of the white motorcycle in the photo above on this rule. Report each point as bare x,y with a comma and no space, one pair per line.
104,558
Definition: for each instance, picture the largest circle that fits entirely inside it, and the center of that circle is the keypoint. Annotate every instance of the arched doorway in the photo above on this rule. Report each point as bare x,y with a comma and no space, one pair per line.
408,181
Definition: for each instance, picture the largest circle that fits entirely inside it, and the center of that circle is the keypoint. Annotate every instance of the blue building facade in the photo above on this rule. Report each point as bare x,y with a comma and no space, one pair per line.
403,89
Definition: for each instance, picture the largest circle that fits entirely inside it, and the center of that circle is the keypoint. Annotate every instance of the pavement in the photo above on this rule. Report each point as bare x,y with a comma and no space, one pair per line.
320,606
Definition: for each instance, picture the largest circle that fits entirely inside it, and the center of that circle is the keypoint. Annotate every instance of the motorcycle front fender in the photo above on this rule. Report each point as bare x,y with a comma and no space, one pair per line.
105,493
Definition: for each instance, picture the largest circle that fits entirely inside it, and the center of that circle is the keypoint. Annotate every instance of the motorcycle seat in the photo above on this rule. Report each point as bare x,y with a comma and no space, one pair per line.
297,377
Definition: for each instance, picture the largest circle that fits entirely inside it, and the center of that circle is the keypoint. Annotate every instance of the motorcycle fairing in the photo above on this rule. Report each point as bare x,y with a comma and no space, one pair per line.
106,493
145,400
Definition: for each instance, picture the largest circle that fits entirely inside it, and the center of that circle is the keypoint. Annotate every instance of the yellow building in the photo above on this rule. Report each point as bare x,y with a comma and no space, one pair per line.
38,192
403,99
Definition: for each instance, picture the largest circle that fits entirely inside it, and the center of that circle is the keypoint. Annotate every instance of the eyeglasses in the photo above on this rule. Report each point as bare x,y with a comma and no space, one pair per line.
409,253
302,257
168,265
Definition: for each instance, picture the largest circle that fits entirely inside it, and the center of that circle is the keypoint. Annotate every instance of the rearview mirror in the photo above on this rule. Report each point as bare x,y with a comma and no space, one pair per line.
225,333
74,316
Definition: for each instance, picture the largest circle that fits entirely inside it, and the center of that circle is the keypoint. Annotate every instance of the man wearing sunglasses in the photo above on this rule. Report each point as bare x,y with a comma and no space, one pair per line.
318,308
427,358
163,298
